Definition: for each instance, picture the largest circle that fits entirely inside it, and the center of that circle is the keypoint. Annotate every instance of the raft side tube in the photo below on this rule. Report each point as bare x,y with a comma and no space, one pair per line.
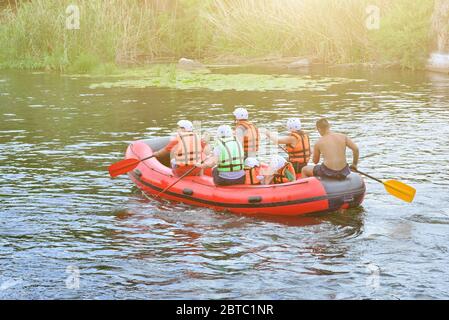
344,193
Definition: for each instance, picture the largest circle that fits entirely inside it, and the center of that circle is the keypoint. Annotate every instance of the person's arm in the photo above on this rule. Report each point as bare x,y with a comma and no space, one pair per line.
166,150
207,150
316,153
208,163
161,153
281,140
355,152
211,160
206,147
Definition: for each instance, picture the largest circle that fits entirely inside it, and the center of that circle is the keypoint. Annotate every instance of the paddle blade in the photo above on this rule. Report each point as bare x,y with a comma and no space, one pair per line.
122,167
400,190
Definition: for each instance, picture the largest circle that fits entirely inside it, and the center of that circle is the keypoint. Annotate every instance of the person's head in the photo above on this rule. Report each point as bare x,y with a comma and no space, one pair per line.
277,162
293,124
323,126
251,162
224,131
185,125
240,114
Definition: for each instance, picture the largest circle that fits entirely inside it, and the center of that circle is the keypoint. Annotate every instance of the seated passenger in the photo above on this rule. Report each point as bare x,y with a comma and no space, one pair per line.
297,144
281,171
185,149
227,157
332,146
246,132
254,171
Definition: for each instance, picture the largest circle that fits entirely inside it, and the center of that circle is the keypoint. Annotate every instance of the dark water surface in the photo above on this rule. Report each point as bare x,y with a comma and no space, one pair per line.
61,214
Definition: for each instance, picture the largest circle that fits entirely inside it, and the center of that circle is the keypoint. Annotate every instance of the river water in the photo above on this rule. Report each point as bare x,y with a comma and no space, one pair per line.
68,231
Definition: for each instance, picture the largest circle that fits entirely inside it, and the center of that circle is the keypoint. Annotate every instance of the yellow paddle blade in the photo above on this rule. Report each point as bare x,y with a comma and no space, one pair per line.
400,190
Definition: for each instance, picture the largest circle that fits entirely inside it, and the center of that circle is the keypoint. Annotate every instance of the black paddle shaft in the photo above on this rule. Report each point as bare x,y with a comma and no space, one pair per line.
367,175
179,179
147,158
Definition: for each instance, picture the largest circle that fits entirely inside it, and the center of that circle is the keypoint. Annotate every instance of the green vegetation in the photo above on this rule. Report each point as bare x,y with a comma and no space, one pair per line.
404,35
129,32
167,76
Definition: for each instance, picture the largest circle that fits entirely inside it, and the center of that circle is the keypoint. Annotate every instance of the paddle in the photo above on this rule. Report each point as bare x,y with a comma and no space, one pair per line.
179,179
396,188
125,166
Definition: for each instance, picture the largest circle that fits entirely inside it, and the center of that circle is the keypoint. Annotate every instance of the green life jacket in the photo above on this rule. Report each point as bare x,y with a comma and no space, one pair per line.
231,155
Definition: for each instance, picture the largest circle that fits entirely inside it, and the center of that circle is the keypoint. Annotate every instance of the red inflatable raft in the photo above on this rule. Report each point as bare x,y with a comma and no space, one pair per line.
290,199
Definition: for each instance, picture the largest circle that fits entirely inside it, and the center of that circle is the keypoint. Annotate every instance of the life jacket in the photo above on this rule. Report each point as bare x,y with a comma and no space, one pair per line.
189,149
301,152
231,155
251,137
251,175
280,175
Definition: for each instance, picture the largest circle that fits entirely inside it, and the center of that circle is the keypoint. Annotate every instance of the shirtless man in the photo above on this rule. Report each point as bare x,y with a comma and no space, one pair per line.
333,148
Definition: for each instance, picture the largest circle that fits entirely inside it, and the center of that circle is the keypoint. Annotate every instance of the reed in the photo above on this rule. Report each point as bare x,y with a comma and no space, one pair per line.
115,31
331,30
405,35
123,32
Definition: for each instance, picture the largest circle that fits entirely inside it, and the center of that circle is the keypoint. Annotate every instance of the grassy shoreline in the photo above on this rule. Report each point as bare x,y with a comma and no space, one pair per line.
121,33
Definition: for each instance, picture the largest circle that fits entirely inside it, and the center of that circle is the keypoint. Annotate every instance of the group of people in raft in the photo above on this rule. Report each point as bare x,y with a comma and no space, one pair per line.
234,161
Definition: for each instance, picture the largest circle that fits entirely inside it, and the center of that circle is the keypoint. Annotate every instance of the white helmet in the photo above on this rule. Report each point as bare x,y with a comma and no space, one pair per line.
241,114
277,162
251,162
186,124
294,124
224,131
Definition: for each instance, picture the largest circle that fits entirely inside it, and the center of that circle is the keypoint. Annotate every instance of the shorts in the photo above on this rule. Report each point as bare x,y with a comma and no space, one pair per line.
220,181
321,170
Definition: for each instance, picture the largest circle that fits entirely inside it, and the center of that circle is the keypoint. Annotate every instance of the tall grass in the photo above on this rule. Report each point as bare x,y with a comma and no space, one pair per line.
332,30
130,31
405,34
115,31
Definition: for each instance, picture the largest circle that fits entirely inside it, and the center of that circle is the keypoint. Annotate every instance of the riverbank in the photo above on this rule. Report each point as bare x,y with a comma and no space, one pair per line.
126,33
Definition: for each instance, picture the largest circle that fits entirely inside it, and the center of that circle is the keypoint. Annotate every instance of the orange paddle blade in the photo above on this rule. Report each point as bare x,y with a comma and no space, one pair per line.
400,190
122,167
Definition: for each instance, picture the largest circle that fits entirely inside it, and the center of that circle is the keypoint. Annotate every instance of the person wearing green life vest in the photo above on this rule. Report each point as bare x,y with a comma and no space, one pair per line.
227,159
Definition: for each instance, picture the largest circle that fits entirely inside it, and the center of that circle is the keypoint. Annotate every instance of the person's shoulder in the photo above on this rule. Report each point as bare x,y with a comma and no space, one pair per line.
240,127
339,135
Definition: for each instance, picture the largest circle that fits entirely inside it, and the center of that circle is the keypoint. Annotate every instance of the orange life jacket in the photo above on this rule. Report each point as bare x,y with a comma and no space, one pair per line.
251,175
280,175
301,152
251,137
188,149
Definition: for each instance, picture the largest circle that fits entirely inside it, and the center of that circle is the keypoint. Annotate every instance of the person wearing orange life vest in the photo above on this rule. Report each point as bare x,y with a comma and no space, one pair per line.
281,170
185,149
297,144
254,171
246,132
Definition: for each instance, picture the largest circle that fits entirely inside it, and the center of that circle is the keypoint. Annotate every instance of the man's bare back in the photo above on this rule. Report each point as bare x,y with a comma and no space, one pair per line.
333,148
